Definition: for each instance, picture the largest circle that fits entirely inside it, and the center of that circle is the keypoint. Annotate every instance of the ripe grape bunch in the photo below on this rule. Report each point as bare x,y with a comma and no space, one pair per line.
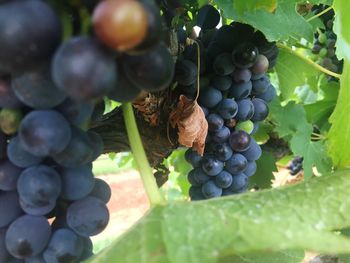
234,94
323,48
50,202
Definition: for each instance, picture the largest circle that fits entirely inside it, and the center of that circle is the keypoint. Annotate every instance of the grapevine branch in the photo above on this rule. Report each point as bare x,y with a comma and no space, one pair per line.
319,14
140,157
308,61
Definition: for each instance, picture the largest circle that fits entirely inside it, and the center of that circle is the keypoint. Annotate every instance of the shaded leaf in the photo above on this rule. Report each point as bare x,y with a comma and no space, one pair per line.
276,257
190,120
301,216
263,176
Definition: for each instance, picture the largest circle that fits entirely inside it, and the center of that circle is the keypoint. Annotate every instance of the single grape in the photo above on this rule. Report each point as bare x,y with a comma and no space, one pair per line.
223,64
64,246
212,166
77,182
236,164
222,83
151,71
254,152
191,179
208,17
227,108
101,190
240,141
268,95
87,216
195,193
261,65
245,110
193,157
251,169
27,236
240,90
84,69
245,55
10,120
200,176
210,97
260,85
39,185
38,210
210,190
247,126
261,110
128,18
223,179
222,151
185,72
239,183
9,174
242,75
44,132
221,135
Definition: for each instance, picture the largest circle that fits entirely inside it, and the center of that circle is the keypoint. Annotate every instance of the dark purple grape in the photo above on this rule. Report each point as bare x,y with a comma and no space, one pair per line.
221,136
223,179
227,108
185,72
240,91
8,98
239,183
245,55
268,95
9,174
208,17
200,176
212,166
210,97
260,85
261,110
223,64
215,122
240,141
254,151
222,83
242,75
210,190
193,158
196,193
236,164
222,152
251,169
261,65
245,110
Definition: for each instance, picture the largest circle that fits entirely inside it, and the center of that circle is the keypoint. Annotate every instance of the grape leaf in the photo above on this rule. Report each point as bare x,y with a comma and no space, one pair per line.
341,28
252,5
263,176
339,134
276,257
282,24
292,72
300,216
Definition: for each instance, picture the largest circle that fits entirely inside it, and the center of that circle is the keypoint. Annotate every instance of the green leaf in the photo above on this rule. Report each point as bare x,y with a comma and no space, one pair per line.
292,72
301,216
276,257
341,27
263,176
339,134
282,24
252,5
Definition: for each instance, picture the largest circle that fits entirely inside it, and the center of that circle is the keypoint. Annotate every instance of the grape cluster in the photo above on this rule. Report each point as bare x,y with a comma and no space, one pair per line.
323,48
234,94
295,165
50,202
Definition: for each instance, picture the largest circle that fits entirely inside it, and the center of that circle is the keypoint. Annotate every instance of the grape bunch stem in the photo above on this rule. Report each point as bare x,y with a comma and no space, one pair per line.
140,157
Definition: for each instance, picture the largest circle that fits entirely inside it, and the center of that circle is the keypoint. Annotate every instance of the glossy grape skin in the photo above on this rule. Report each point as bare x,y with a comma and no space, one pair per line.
44,132
76,113
254,151
245,55
260,85
9,174
197,177
240,91
87,216
245,110
36,89
39,185
128,18
19,156
268,95
208,17
84,69
227,108
151,71
210,190
261,65
77,182
30,32
210,97
101,190
261,110
212,166
9,202
240,141
223,179
242,75
239,183
27,236
236,164
64,246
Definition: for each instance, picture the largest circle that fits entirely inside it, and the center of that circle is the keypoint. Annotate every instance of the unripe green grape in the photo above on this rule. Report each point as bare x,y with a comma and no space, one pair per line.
246,126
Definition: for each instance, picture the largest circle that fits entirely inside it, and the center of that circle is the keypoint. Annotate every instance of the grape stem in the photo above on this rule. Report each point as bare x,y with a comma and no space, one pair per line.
140,157
319,14
308,61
